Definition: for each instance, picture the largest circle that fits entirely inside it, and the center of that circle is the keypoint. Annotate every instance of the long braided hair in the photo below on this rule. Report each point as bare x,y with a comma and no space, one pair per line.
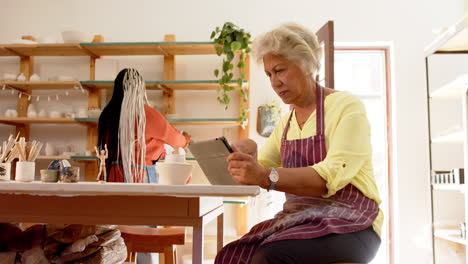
122,125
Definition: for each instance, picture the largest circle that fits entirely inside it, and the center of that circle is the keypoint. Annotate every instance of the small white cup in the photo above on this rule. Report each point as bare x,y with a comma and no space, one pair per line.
5,171
25,171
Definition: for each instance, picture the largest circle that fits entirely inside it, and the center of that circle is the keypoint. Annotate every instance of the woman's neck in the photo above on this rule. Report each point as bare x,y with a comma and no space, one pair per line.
307,104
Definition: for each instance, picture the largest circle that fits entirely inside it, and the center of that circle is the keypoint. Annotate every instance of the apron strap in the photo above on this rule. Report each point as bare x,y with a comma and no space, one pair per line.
320,119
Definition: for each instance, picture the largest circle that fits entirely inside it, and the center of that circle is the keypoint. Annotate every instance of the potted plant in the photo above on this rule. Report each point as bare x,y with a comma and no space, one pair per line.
229,41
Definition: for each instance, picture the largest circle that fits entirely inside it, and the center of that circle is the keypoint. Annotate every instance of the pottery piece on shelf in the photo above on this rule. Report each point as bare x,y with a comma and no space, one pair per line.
9,76
25,171
42,113
21,77
35,78
70,115
49,149
11,113
76,36
49,175
32,113
82,112
5,171
70,174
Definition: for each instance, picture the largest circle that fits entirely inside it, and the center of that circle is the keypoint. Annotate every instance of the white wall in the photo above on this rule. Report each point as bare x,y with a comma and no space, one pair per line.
407,24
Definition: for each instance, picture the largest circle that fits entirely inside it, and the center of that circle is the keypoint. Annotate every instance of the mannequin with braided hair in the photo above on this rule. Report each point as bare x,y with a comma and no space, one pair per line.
134,132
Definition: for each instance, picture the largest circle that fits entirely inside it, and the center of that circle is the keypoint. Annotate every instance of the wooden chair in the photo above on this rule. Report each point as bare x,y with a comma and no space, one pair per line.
152,240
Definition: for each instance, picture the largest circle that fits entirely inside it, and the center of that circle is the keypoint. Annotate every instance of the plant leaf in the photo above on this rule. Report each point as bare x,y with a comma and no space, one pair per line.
241,65
239,82
230,56
226,66
219,50
216,72
228,88
213,34
236,45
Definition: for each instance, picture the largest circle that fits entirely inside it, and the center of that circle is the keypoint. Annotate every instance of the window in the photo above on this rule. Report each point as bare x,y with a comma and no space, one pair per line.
363,71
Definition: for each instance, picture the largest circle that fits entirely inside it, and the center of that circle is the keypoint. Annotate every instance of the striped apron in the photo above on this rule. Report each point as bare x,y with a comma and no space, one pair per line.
305,217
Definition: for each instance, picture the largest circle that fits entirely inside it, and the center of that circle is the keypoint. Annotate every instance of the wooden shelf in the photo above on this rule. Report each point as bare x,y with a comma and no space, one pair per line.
452,235
161,85
454,137
150,85
454,89
149,48
27,120
25,85
68,49
61,157
205,121
6,52
56,157
452,40
93,121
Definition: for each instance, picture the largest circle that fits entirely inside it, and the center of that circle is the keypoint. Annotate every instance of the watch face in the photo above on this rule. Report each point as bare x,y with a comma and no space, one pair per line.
274,177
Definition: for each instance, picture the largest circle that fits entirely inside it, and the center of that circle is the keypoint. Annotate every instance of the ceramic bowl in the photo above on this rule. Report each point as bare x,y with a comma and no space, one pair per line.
49,175
76,36
172,158
173,173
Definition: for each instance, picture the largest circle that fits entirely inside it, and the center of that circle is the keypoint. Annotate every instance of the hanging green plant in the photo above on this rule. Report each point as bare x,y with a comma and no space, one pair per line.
229,41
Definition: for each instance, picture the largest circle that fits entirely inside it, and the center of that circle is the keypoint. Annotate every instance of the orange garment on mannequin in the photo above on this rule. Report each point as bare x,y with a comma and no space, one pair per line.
157,133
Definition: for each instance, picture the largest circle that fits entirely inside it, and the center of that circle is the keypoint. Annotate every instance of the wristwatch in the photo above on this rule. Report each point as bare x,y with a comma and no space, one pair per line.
274,177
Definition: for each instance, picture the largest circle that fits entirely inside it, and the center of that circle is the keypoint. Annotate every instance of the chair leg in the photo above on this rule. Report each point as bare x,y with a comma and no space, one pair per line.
169,255
131,257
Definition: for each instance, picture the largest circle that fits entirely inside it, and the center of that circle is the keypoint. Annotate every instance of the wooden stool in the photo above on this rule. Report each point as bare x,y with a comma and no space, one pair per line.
152,240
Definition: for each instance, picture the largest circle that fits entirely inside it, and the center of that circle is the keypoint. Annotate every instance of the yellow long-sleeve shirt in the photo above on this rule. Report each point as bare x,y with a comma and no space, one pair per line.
347,139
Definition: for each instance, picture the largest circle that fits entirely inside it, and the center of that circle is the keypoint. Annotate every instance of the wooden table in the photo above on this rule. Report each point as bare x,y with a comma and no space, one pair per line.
121,203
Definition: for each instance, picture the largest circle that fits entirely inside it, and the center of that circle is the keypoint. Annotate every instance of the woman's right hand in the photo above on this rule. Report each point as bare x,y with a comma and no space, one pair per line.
246,145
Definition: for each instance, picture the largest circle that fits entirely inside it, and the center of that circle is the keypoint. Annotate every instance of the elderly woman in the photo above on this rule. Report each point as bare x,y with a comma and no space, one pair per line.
319,155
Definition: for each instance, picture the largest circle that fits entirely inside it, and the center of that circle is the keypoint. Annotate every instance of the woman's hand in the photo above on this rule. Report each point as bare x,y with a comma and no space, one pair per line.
246,146
245,170
187,136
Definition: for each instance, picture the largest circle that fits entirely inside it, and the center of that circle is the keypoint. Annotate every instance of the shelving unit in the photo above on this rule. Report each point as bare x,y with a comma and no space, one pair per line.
169,85
452,235
447,204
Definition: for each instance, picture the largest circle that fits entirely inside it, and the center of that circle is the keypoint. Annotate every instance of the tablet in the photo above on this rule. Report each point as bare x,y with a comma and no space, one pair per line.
211,156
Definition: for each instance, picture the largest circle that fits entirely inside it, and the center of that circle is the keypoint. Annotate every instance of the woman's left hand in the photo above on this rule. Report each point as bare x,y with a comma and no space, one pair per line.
246,170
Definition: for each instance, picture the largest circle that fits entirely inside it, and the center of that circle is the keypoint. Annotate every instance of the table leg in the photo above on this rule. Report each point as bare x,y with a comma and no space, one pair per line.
197,246
220,231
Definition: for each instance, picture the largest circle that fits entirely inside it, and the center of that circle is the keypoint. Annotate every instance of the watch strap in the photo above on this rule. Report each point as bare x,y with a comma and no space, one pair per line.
272,183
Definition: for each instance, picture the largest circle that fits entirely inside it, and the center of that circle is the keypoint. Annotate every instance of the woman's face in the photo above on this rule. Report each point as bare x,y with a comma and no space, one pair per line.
286,78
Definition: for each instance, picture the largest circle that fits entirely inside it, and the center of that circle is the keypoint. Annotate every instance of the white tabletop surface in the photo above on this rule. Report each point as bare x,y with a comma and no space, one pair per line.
94,188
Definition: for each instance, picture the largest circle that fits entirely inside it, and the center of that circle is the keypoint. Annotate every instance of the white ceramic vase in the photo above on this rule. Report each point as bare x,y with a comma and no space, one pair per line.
49,149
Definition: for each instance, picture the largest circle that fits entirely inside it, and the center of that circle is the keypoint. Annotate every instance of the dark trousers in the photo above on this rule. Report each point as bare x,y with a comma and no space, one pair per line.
357,247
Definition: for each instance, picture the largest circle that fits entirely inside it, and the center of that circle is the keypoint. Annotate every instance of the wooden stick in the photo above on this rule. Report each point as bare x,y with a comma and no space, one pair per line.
31,150
20,152
35,153
12,156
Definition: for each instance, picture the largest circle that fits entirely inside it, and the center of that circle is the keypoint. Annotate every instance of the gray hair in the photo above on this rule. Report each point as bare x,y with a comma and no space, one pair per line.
292,41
